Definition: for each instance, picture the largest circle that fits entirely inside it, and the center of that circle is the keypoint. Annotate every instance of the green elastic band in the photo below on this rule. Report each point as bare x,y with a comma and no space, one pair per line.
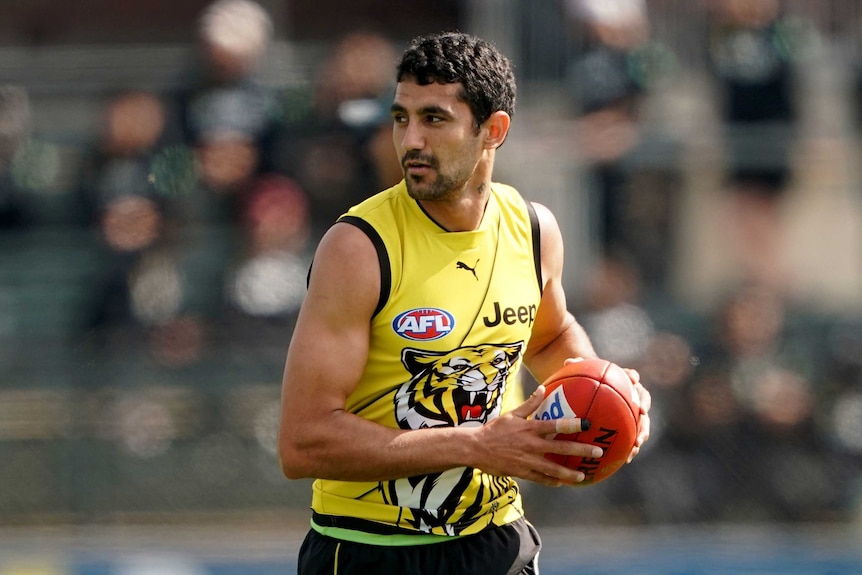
396,540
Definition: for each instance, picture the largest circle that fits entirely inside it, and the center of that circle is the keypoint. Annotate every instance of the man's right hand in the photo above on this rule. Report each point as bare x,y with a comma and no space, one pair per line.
515,444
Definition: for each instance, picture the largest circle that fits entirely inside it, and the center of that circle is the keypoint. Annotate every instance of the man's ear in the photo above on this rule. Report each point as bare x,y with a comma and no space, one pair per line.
496,129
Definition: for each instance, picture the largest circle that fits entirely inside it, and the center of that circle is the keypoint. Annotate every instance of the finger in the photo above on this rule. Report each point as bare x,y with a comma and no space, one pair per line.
555,475
549,428
645,398
568,425
575,449
643,430
542,479
532,403
643,436
633,374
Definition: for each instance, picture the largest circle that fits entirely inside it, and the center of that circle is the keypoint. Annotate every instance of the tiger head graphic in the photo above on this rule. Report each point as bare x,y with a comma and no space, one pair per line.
460,387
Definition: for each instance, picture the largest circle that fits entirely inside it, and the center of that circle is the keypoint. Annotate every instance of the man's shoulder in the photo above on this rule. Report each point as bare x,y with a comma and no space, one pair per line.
507,193
378,201
511,200
502,188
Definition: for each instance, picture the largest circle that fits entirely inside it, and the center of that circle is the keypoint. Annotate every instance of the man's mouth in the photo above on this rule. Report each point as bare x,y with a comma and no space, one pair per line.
416,170
417,166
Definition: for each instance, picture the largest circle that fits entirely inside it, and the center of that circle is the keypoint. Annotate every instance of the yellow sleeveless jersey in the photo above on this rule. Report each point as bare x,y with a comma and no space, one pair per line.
447,340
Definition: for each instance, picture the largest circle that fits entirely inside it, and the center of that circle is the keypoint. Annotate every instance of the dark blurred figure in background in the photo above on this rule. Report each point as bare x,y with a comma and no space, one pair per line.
226,115
217,138
839,414
134,294
632,176
746,419
753,55
266,279
14,132
341,150
118,165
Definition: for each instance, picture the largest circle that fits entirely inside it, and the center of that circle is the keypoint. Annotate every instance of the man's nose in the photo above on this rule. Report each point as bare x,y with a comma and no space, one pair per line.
412,137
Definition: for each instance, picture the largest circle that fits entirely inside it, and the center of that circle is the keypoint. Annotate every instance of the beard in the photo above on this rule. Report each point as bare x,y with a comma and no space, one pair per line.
440,188
435,185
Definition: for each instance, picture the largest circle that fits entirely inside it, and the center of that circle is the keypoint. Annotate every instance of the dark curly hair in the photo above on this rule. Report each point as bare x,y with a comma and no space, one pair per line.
486,77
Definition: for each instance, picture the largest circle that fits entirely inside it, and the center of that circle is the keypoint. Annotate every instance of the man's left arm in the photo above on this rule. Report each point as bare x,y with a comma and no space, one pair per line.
557,337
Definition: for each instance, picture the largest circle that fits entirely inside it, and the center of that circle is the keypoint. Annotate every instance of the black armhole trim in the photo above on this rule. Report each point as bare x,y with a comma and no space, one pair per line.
537,243
382,258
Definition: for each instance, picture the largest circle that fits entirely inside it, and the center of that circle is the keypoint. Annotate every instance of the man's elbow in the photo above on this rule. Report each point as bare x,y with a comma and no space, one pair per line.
293,459
293,471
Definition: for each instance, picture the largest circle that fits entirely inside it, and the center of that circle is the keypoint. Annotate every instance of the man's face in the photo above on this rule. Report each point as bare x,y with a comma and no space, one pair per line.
435,138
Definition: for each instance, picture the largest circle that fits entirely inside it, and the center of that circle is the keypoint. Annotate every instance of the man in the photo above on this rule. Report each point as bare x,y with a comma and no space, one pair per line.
423,301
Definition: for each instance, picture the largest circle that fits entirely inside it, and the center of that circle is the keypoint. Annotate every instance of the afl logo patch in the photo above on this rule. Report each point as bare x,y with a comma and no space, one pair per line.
423,324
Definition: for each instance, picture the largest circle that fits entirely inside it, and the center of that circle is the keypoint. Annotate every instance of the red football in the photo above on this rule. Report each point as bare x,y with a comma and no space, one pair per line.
602,392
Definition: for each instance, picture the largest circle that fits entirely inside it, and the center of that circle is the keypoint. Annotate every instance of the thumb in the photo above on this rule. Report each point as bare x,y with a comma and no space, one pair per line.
526,409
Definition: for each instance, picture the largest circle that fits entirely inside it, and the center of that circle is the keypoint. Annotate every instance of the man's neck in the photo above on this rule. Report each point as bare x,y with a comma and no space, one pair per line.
462,213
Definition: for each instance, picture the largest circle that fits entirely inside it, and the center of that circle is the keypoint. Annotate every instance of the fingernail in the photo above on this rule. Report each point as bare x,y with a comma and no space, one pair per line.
598,452
585,424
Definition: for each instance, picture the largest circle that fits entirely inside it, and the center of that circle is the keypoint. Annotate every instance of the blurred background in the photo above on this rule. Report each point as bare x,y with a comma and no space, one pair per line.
167,167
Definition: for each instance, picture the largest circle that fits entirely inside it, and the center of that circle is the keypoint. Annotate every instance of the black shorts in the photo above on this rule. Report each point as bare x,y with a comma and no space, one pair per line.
509,550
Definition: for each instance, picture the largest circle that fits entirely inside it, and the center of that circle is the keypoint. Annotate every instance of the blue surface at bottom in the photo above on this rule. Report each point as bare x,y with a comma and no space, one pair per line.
705,552
567,551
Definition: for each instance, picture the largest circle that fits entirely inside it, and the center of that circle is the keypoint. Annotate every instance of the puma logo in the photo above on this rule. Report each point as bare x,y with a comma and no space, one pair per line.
462,266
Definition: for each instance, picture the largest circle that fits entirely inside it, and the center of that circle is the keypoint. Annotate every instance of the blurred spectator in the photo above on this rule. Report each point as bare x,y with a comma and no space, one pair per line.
265,281
169,189
268,279
138,293
385,164
746,419
753,54
618,325
839,407
118,166
632,177
14,132
339,152
227,116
